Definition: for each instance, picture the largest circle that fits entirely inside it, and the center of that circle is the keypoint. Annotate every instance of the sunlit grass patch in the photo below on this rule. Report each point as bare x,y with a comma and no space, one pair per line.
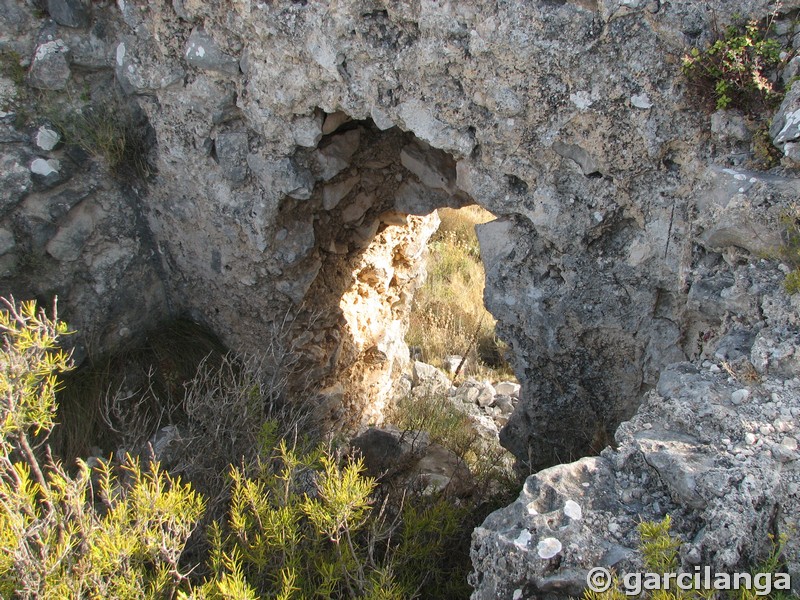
448,316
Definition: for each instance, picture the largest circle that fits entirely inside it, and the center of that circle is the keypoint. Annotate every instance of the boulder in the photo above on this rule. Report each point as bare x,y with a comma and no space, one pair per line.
49,69
70,13
409,457
202,52
427,380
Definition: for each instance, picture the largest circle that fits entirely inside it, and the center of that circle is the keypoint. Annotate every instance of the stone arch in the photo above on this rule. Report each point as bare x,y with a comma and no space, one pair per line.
365,225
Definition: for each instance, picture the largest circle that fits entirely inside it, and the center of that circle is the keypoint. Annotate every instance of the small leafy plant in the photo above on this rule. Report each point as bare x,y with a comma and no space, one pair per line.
660,549
734,71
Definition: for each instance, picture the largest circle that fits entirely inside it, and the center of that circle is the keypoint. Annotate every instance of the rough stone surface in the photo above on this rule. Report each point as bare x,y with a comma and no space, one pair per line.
428,380
785,129
232,149
204,53
49,69
629,237
711,447
47,138
70,13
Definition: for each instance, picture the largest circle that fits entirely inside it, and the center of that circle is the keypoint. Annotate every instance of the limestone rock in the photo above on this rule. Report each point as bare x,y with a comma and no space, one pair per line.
730,125
294,243
203,52
70,13
7,241
507,388
627,238
15,181
138,72
333,193
71,237
165,446
485,395
453,362
47,138
282,177
333,121
357,208
307,130
505,404
427,380
421,120
785,128
50,68
231,149
416,199
335,156
685,454
47,172
434,168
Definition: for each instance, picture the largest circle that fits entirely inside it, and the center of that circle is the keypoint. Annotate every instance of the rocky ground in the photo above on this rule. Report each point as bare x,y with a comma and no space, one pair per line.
714,446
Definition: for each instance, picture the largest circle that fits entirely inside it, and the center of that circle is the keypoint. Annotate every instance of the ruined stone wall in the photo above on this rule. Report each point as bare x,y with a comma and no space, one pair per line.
298,148
568,120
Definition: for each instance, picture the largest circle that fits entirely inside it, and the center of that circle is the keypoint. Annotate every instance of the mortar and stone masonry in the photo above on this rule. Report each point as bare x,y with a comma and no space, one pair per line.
299,151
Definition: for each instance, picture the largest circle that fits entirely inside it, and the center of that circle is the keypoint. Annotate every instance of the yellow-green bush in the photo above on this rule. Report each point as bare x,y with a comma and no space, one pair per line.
95,534
299,523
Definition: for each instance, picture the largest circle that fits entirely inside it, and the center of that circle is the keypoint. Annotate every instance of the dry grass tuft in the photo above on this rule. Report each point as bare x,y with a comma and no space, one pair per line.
448,316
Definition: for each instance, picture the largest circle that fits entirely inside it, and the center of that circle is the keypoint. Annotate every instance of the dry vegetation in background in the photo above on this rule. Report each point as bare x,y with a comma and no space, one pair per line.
448,316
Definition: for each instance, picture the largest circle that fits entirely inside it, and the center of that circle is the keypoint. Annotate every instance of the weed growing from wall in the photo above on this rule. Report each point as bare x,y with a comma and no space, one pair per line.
736,70
11,67
110,131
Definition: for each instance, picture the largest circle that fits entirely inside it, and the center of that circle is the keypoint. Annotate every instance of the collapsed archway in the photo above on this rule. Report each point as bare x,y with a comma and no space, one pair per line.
364,228
362,222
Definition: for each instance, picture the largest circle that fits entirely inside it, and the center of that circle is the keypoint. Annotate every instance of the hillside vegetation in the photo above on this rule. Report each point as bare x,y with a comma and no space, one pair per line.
448,316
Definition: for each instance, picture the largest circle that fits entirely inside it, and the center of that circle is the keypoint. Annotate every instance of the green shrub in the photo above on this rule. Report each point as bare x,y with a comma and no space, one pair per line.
439,418
734,71
94,534
299,523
